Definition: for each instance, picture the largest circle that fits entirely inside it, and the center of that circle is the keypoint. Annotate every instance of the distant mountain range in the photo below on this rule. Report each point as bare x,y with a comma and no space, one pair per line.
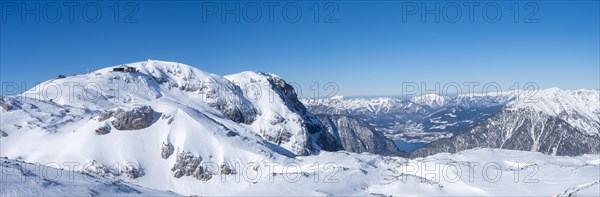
562,122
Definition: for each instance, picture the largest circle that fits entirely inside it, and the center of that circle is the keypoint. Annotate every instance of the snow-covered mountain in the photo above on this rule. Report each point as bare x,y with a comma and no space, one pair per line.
519,130
572,114
174,89
552,121
580,108
155,127
165,120
432,100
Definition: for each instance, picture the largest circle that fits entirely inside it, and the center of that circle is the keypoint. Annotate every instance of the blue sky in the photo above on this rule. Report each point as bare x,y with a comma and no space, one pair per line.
369,51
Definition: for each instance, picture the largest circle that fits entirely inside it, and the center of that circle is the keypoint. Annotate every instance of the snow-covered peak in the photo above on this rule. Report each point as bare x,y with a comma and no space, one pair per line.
374,105
580,108
147,81
432,100
193,104
179,75
169,119
337,97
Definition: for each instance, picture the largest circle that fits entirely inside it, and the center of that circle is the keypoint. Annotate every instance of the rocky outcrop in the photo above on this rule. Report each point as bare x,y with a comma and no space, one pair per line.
9,104
282,118
226,170
190,165
358,136
166,150
521,129
105,115
324,140
3,134
134,119
133,172
236,113
103,130
232,134
94,167
167,117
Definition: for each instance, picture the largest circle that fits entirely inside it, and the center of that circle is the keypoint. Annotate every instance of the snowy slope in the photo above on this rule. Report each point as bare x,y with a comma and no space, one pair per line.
480,172
26,179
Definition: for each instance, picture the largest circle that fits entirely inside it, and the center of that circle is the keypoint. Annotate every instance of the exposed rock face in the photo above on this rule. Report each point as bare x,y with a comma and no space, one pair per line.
232,134
104,115
190,165
133,119
522,129
226,170
133,172
356,135
282,119
286,92
97,168
236,113
103,130
3,134
9,104
167,117
166,150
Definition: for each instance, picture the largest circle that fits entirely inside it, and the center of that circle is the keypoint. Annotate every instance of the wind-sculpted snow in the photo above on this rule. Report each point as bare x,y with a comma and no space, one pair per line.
32,115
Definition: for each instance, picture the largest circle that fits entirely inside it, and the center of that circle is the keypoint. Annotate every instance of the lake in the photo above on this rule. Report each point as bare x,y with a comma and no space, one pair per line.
408,146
